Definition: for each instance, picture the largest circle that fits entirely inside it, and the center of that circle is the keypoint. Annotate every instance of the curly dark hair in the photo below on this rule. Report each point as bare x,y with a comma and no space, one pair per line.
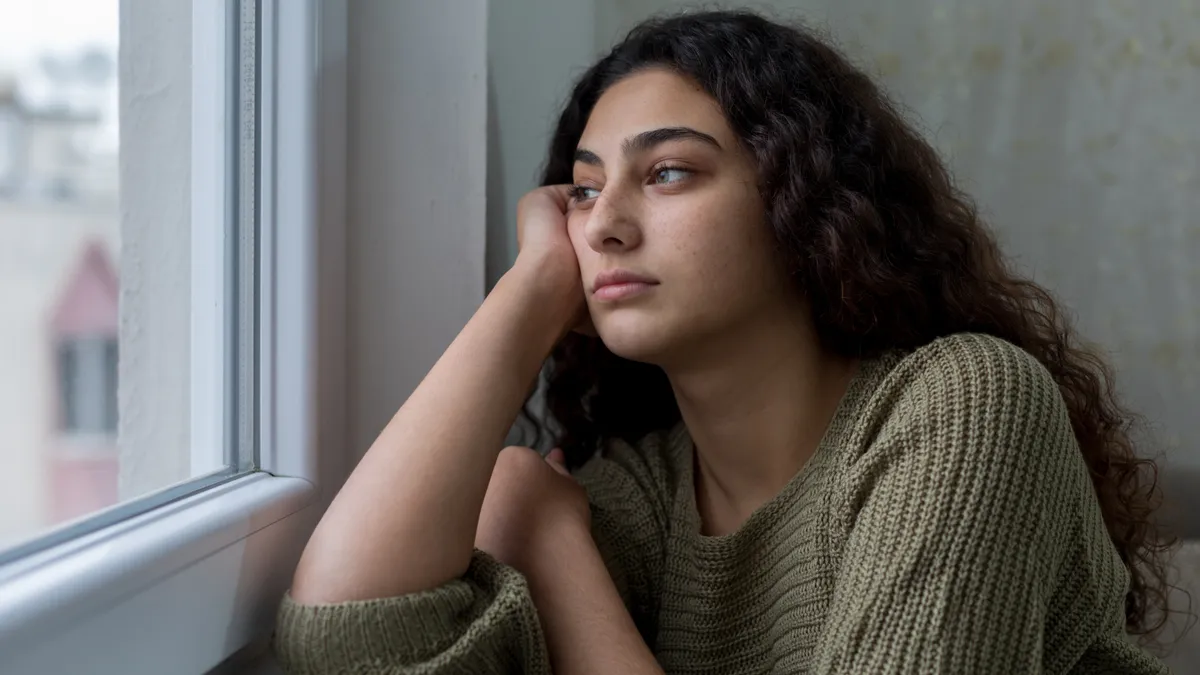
887,251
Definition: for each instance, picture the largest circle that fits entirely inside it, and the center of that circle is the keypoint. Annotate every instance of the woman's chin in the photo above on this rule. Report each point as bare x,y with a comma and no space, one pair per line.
634,340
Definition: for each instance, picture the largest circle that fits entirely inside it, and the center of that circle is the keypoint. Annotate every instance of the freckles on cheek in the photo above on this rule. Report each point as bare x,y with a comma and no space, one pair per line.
720,257
707,265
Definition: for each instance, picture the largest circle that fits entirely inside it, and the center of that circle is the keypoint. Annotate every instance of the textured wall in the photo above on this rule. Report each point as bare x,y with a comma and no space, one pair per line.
1075,126
156,104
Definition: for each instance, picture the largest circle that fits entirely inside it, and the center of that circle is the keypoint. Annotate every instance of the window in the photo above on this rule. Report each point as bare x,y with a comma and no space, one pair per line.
84,328
158,341
117,262
60,238
87,385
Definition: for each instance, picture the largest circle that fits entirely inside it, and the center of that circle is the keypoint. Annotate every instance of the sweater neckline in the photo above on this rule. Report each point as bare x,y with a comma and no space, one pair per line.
862,384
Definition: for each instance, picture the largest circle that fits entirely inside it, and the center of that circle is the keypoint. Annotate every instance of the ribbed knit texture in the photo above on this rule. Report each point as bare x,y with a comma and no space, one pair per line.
945,524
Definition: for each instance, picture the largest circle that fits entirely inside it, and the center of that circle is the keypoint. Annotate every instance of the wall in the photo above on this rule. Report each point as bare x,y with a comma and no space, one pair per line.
416,176
536,49
155,76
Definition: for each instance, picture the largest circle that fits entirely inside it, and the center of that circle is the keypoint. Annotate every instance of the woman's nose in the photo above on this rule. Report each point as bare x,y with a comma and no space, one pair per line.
613,224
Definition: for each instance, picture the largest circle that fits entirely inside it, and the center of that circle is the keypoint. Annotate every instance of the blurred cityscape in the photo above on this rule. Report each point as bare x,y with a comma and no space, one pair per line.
59,249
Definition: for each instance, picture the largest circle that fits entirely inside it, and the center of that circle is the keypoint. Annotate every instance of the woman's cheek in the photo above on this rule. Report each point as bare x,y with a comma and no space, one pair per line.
576,222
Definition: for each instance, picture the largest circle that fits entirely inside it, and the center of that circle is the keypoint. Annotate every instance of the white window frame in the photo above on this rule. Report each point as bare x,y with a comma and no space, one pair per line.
211,129
184,586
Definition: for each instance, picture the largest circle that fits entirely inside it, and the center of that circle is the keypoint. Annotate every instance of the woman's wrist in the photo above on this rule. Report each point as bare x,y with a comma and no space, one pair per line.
551,290
587,626
555,557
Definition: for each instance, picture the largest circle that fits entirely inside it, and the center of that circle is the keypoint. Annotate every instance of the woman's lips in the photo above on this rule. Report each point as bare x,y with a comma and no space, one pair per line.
620,284
622,291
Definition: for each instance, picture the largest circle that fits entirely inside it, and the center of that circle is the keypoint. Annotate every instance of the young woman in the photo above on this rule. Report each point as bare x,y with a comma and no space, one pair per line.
810,420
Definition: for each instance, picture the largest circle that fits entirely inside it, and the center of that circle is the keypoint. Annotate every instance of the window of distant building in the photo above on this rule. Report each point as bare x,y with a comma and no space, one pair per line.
87,375
85,344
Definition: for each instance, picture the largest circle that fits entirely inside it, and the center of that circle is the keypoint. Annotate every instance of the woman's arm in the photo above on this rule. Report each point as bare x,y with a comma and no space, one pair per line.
587,627
977,545
405,520
536,519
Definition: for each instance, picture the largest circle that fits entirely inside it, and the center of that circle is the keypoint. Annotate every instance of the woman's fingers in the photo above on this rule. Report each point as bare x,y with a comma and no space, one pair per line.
557,461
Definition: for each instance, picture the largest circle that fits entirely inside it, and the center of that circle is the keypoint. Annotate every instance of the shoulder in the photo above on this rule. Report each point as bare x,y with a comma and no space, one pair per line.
970,376
970,396
971,421
973,360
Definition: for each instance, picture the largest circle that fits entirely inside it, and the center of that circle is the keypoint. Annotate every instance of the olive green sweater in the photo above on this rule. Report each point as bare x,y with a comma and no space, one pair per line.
946,524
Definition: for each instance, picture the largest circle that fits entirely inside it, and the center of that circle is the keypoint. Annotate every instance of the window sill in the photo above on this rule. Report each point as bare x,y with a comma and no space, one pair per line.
215,563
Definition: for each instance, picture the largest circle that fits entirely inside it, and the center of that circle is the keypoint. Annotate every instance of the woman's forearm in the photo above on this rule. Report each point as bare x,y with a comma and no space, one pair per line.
587,627
405,520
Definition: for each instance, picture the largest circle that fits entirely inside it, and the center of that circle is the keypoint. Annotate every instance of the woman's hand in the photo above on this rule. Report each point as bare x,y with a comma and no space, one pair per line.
542,228
532,505
536,520
546,254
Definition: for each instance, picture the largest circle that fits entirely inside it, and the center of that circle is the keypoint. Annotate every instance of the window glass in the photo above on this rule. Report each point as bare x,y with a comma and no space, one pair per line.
122,357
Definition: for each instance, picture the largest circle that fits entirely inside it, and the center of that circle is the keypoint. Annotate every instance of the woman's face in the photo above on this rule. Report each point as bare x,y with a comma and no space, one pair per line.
666,193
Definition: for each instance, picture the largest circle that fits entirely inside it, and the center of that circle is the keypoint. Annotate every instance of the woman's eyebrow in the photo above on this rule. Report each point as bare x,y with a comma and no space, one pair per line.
647,140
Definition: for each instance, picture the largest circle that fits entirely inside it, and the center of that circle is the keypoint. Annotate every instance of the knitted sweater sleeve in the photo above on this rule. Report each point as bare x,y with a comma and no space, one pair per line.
969,515
486,621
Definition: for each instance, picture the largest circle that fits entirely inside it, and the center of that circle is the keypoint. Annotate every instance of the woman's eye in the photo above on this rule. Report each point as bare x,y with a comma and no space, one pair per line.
584,193
667,176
